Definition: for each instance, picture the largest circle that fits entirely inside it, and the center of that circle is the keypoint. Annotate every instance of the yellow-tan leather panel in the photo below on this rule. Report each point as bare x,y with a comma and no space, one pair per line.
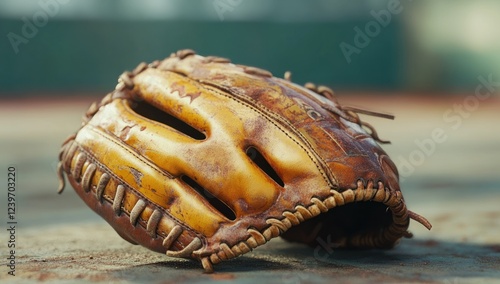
159,187
229,132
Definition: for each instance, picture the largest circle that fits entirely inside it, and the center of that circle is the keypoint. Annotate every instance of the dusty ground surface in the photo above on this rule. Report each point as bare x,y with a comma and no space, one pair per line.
456,186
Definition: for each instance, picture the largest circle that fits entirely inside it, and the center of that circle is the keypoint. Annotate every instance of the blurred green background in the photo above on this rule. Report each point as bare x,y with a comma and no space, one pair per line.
65,47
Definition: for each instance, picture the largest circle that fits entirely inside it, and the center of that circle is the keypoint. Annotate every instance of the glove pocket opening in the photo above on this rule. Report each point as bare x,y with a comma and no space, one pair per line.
353,225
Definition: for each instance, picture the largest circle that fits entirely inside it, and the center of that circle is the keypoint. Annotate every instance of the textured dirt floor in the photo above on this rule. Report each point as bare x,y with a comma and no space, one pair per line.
456,186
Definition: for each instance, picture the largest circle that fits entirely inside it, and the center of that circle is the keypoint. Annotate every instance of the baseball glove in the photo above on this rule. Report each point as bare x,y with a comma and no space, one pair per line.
200,158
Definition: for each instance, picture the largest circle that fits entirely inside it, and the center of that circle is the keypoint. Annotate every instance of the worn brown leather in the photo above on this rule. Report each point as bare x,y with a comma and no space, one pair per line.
261,157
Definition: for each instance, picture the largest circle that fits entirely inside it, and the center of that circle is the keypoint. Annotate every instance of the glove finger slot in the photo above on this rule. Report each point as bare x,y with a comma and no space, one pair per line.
218,204
151,112
263,164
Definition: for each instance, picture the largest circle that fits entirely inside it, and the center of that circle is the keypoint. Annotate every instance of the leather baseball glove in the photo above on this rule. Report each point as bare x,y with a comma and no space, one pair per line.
200,158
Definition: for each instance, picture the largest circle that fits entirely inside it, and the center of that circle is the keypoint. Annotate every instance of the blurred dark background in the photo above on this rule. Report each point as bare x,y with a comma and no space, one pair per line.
65,47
